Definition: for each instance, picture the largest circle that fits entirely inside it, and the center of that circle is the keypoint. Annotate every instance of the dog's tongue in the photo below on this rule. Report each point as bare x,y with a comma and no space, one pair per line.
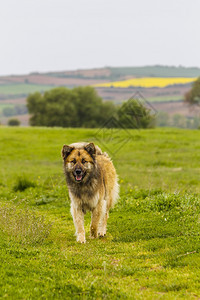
78,177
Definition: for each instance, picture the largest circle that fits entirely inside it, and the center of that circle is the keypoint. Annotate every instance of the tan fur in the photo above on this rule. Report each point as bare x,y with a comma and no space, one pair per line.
97,191
81,145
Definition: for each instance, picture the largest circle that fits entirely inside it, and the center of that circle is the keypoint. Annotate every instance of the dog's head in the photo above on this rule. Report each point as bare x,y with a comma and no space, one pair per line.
79,164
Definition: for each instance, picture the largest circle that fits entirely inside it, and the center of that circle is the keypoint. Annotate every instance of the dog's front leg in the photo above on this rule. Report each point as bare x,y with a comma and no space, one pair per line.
96,217
78,217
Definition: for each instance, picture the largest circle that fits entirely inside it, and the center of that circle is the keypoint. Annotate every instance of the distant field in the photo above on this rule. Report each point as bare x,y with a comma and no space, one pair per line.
155,71
2,106
168,98
117,72
165,98
22,89
152,248
148,82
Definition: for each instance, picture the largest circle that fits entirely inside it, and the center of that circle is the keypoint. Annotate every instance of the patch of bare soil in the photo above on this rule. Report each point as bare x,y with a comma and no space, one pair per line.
90,73
54,81
14,101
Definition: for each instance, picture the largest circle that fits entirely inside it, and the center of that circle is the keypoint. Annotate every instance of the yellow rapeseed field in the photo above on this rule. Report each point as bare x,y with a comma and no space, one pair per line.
148,82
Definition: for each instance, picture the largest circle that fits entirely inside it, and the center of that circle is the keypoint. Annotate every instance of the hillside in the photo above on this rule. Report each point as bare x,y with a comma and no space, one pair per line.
155,71
14,89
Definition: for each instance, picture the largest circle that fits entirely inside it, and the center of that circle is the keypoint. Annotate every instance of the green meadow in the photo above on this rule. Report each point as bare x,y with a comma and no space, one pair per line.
23,88
152,248
2,106
166,98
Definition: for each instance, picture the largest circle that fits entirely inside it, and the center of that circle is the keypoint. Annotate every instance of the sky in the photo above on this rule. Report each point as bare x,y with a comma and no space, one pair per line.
58,35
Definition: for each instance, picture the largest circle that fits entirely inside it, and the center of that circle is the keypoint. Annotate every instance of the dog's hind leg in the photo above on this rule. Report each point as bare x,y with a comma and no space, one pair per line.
78,217
103,220
96,218
109,202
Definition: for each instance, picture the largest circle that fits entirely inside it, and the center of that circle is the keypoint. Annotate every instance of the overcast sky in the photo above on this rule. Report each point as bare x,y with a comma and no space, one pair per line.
50,35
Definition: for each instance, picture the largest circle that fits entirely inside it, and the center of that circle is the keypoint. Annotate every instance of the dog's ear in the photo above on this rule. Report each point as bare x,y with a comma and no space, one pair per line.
66,150
90,148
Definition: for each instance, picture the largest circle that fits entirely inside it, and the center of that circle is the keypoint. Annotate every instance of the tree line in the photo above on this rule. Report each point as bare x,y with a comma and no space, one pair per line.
192,97
83,107
20,109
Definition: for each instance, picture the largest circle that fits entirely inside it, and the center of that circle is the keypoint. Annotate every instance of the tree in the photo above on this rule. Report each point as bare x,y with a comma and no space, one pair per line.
179,121
133,114
83,107
162,119
60,108
78,107
92,111
13,122
54,108
14,110
8,111
192,97
36,107
88,104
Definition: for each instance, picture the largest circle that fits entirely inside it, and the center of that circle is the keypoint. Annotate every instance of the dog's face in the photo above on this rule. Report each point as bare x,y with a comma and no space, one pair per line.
79,163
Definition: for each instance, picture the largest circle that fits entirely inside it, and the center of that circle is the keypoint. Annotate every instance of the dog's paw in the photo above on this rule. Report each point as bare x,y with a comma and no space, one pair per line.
101,234
93,236
93,233
81,239
82,242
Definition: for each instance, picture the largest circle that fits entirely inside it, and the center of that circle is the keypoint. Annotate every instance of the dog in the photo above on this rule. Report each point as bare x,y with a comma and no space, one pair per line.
92,184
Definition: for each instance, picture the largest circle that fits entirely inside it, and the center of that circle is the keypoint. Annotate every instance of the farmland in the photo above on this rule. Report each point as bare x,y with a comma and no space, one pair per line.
20,89
161,85
152,247
148,82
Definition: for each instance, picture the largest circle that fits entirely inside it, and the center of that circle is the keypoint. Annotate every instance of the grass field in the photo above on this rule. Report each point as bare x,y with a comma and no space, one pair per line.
2,106
148,82
22,89
152,247
155,71
166,98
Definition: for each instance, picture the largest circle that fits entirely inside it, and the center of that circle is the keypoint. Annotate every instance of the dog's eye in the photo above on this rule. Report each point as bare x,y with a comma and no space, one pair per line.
73,161
83,161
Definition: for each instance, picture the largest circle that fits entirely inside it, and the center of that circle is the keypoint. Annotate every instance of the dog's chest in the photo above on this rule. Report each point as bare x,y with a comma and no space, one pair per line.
85,202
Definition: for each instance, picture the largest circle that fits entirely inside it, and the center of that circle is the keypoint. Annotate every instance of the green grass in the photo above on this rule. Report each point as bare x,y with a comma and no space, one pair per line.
22,183
3,105
155,71
152,247
166,98
23,89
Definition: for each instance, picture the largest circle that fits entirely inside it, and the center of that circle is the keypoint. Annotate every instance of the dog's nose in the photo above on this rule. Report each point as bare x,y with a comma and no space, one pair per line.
78,171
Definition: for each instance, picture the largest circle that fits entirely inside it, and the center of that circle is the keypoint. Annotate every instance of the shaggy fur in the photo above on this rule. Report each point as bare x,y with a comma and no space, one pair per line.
92,182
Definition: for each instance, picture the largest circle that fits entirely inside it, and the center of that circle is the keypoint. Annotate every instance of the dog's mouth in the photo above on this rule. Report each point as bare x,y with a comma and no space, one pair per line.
79,177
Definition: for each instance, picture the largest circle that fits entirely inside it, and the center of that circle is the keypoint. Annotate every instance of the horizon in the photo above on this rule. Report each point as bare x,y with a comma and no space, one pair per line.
96,68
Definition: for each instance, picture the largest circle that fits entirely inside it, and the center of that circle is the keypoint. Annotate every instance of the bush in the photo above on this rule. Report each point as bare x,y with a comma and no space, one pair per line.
78,107
22,183
132,114
13,122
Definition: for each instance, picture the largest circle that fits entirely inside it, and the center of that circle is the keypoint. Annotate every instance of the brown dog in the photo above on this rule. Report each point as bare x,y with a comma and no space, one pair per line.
92,183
